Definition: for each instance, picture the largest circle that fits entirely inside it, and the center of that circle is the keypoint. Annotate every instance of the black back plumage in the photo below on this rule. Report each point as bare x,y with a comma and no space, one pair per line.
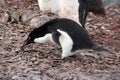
86,6
75,31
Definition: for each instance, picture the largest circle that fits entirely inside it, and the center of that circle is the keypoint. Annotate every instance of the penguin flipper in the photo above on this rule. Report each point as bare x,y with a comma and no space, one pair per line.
66,43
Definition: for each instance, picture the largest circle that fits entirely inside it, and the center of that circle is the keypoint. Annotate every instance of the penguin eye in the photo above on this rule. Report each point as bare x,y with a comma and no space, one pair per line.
29,38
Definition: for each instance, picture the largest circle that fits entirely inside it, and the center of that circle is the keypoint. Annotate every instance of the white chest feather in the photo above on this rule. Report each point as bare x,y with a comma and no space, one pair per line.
66,43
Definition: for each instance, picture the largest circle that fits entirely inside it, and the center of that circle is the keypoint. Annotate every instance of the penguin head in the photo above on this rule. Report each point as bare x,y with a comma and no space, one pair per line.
30,38
36,33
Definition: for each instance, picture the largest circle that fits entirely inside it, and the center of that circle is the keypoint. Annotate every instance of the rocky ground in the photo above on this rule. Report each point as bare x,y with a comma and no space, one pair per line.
42,61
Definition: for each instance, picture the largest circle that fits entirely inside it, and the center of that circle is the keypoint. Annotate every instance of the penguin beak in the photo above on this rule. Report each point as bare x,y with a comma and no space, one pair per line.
24,44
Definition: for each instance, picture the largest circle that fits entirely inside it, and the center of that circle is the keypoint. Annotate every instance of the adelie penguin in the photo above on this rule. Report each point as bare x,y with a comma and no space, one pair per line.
65,32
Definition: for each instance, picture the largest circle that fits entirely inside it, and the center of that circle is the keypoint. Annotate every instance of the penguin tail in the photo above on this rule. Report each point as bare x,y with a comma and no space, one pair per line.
98,48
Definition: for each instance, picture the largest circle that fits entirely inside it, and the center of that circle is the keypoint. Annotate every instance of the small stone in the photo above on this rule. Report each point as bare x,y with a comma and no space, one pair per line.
36,62
4,17
33,59
1,38
28,15
66,78
15,77
35,22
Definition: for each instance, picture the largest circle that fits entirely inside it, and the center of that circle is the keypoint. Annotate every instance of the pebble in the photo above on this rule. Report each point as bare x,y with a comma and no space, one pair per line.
36,62
33,59
1,38
15,77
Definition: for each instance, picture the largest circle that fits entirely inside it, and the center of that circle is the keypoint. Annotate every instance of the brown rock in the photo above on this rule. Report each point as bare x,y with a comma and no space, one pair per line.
4,17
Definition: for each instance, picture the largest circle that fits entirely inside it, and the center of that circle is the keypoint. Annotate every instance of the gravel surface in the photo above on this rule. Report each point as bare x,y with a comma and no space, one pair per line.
42,61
